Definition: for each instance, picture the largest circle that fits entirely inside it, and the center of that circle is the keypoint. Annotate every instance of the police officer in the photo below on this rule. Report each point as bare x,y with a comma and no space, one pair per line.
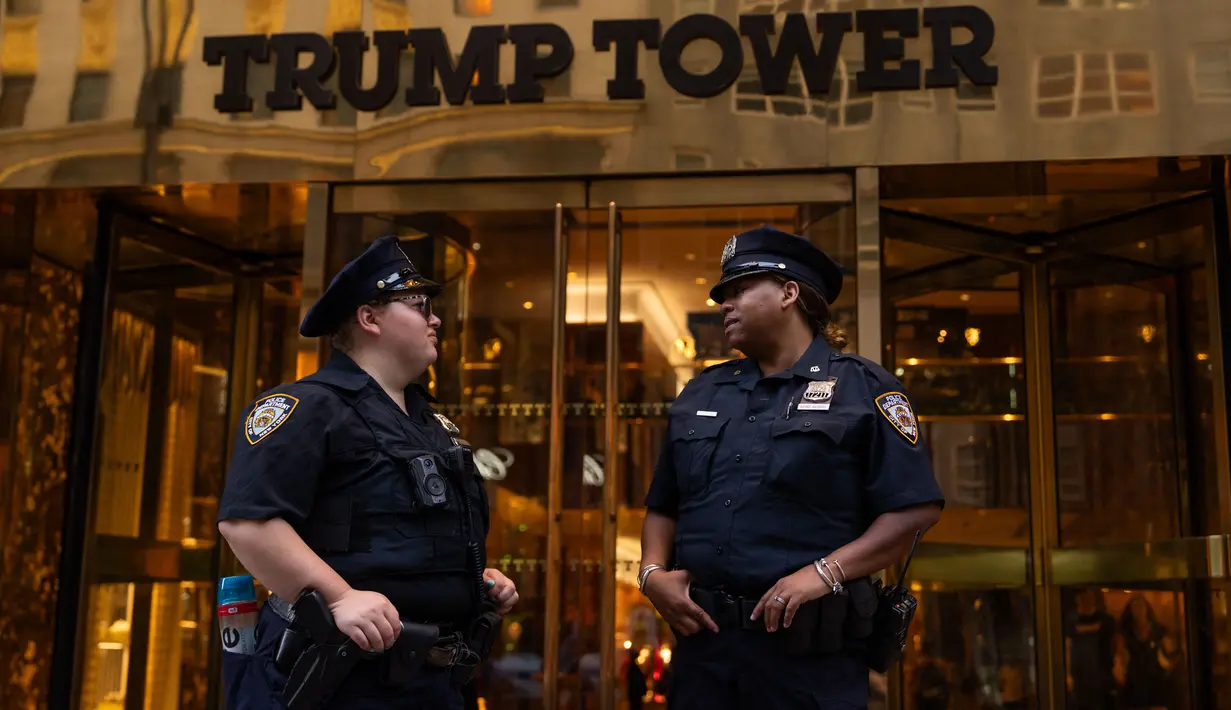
328,491
787,478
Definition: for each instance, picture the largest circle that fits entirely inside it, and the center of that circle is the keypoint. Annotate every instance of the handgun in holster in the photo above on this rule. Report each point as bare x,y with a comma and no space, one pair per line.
325,655
895,609
478,639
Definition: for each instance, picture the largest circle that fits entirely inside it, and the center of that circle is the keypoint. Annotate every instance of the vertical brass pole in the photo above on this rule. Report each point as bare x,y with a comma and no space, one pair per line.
555,467
1045,530
611,459
868,305
314,278
1218,276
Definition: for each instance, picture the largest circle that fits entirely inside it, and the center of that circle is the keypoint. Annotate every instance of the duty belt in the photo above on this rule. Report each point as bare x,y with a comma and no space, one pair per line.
450,650
727,610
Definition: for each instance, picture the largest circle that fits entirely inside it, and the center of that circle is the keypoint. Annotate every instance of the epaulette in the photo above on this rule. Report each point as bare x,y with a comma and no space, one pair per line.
721,364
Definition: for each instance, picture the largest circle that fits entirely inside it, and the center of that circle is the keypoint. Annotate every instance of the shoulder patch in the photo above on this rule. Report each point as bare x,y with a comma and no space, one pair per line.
268,414
896,408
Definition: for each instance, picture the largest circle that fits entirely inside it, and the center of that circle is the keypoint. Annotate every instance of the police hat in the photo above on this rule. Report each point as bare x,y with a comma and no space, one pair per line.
382,268
766,250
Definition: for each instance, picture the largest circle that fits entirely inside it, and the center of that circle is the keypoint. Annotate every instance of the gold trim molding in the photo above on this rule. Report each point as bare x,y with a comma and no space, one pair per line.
19,45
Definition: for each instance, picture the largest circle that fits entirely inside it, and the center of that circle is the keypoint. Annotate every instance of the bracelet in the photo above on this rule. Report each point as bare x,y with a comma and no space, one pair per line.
839,566
644,575
822,568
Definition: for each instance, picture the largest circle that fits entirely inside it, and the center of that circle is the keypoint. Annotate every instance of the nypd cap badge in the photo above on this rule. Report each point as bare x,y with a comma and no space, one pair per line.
267,415
728,251
896,408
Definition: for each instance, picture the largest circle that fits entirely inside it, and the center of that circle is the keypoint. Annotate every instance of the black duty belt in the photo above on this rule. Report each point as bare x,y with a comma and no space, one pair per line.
727,610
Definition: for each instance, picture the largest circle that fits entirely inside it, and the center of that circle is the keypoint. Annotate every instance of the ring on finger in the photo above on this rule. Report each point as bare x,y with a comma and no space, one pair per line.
780,600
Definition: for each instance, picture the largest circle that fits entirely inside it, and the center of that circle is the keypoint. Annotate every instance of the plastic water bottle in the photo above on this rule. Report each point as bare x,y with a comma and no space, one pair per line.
237,611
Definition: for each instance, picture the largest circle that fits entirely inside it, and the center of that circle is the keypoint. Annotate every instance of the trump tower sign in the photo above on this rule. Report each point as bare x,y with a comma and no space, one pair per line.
475,73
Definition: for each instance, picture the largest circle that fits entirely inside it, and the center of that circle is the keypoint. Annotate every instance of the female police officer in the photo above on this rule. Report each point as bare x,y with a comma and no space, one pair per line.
322,494
787,478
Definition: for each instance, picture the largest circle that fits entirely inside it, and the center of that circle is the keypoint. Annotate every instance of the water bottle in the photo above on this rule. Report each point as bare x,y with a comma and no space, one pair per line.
237,611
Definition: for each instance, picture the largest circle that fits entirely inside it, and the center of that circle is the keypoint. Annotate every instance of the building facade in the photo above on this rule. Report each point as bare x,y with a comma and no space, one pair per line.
1030,200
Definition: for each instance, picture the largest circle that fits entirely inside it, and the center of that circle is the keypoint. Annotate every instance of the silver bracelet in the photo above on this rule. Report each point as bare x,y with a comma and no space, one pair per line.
822,568
839,566
644,575
823,573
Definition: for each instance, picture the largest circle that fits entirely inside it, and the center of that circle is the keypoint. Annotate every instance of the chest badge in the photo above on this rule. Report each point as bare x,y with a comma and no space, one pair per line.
818,396
268,414
448,425
896,408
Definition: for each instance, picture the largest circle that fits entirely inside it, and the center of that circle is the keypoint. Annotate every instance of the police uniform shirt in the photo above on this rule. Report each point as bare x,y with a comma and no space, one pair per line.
764,475
302,452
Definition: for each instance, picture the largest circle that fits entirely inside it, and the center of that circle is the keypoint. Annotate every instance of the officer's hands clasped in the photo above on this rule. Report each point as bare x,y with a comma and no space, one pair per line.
368,618
668,591
782,600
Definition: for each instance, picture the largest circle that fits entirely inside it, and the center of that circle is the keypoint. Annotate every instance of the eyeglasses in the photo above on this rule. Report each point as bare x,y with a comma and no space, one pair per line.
418,301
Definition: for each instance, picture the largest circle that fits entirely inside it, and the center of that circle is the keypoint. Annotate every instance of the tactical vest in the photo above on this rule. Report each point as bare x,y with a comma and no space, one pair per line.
381,527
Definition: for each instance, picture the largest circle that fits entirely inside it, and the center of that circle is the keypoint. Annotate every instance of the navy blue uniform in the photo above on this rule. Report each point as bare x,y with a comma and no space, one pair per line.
764,475
331,460
331,454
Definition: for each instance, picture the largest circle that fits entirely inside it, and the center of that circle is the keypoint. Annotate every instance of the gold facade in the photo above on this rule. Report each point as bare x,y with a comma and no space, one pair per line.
92,95
1057,325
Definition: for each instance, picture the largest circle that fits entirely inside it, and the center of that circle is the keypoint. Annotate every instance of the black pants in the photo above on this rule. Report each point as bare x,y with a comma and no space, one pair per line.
254,682
738,669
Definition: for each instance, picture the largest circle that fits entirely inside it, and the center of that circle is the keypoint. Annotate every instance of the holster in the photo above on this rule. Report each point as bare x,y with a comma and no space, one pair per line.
479,638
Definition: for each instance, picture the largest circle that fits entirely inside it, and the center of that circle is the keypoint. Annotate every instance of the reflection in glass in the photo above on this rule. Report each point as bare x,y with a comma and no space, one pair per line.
669,331
971,649
1125,649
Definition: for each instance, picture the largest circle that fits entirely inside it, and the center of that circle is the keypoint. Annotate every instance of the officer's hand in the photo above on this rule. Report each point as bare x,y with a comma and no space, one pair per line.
368,618
502,589
784,598
668,592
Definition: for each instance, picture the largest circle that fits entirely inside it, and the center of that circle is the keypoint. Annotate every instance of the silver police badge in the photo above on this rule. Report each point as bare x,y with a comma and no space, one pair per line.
728,251
896,408
818,395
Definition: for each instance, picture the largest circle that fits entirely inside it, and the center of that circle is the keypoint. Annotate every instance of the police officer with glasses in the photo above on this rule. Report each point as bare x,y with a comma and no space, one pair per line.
347,486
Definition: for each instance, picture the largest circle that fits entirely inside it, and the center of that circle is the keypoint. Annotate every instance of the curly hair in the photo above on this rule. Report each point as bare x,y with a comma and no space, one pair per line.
816,311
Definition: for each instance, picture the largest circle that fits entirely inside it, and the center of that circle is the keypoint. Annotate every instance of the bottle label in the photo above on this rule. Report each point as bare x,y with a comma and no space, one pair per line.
237,625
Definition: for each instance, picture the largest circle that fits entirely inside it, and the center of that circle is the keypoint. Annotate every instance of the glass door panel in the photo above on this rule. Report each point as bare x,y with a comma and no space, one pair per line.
1135,468
957,339
1087,490
161,432
583,460
669,236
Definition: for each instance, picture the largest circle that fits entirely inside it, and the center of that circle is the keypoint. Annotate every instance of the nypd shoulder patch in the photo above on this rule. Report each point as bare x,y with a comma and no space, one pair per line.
267,415
896,408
